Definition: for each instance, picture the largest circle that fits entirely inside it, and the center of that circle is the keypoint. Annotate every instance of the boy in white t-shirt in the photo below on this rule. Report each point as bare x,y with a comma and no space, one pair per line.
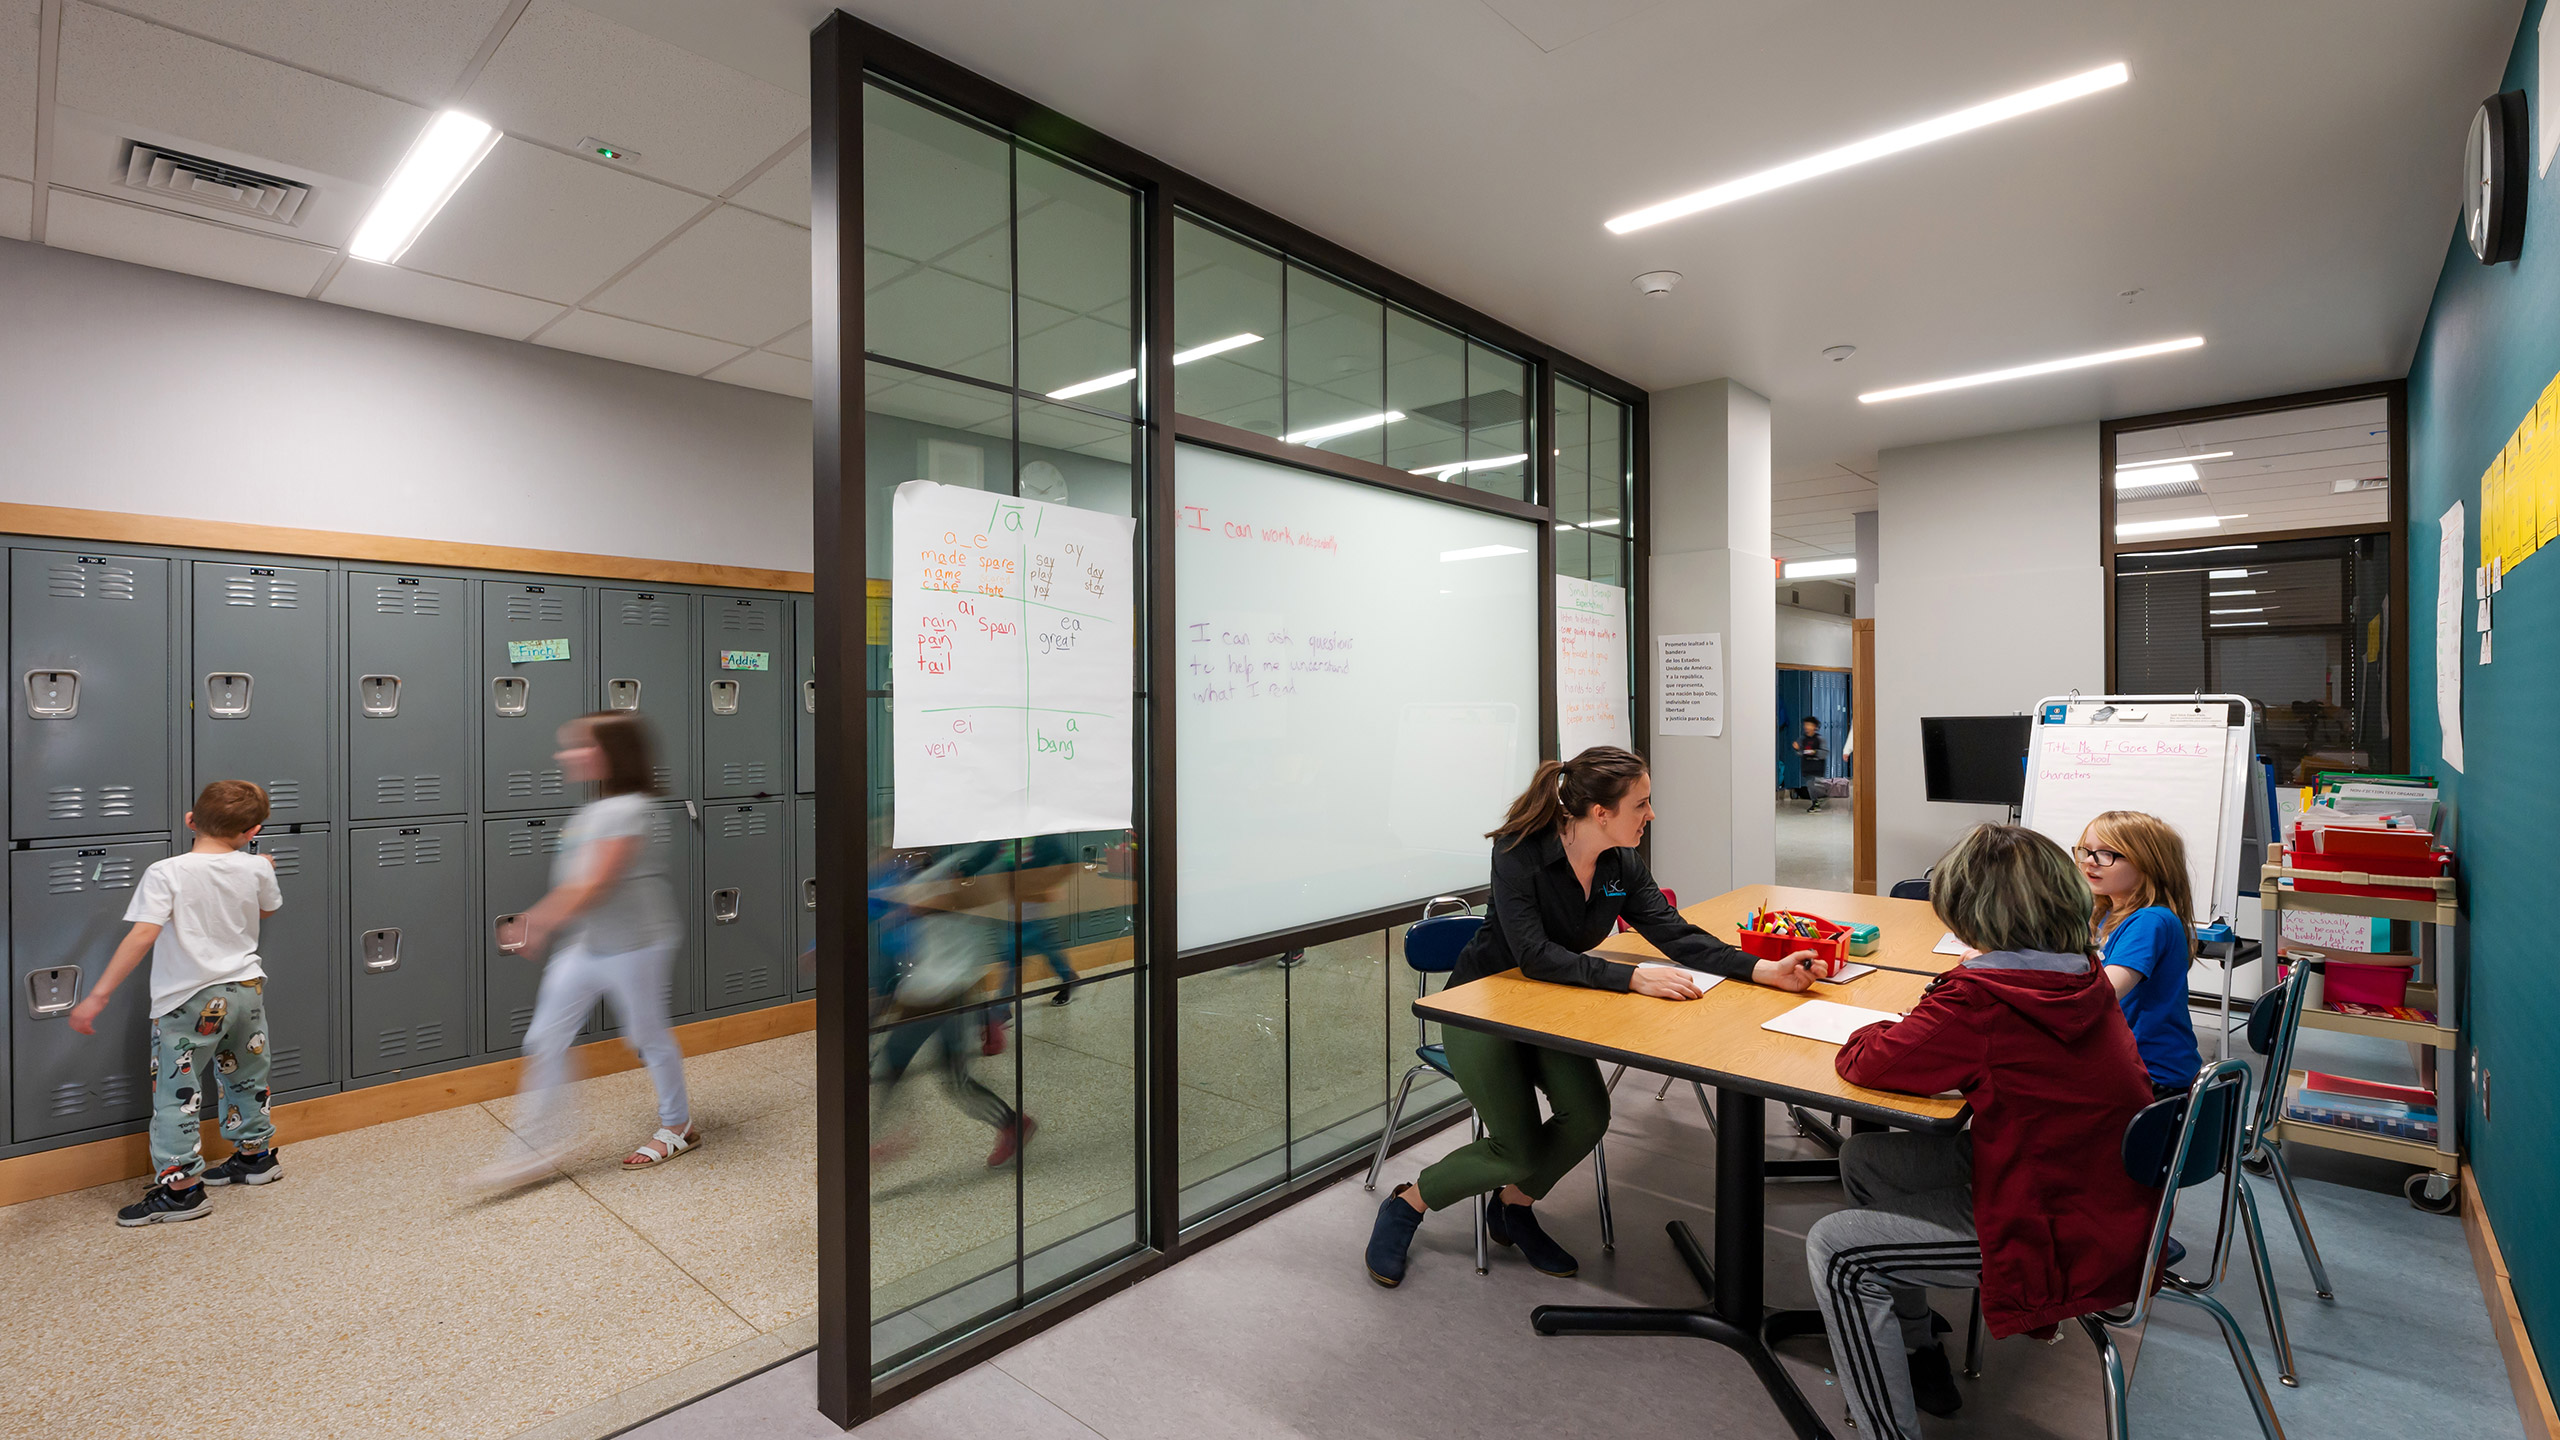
197,916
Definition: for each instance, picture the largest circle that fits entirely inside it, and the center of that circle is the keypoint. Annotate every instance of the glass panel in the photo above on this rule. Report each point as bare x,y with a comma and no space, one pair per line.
1573,454
1337,1049
1235,1085
1427,380
1069,457
943,1217
1337,368
920,427
1497,421
1076,313
1080,1181
937,258
2258,474
1224,291
1608,468
1573,552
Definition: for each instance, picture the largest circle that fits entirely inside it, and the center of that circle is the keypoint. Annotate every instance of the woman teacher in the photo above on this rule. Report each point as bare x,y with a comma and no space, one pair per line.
1564,871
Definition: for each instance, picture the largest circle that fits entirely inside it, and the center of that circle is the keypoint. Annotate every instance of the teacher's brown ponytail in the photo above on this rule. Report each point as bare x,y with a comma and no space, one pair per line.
1563,789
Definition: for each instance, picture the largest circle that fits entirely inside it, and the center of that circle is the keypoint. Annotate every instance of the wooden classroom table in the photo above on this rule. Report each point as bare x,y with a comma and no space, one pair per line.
1717,1040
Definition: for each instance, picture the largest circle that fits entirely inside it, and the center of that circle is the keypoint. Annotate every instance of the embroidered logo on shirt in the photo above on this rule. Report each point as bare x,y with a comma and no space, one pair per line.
1616,892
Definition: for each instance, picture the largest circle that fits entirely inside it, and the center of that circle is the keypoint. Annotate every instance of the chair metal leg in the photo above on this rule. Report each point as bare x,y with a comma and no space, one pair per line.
2111,1364
1608,1224
2256,1234
1665,1090
1484,1262
1614,1077
1707,1104
1395,1113
2301,1226
1973,1340
2260,1402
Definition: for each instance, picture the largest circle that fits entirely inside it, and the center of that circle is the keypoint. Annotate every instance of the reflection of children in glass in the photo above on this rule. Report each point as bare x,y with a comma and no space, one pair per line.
609,927
929,957
1811,764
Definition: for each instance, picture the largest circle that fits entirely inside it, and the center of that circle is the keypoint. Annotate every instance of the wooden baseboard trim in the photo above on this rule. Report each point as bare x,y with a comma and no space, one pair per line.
2524,1372
117,527
128,1157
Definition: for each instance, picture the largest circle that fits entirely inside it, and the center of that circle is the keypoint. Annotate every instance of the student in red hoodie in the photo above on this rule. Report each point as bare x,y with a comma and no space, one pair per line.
2031,1205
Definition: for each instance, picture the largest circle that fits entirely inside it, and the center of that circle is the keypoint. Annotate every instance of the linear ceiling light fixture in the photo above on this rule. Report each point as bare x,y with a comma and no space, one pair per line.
1215,347
2156,476
452,146
2041,367
2232,575
2172,460
1180,357
1340,428
1816,569
2169,527
1461,467
1892,142
2234,624
1481,552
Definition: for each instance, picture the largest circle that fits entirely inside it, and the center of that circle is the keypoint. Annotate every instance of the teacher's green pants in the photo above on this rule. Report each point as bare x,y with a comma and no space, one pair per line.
1502,1078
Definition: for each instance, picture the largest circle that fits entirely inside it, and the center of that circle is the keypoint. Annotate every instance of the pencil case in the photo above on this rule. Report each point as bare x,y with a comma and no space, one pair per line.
1863,939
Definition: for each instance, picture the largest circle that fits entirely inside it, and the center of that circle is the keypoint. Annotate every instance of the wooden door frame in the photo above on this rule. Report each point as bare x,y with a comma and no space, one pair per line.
1862,738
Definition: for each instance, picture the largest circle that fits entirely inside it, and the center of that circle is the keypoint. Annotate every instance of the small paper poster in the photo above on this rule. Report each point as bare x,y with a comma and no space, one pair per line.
523,652
746,660
1689,684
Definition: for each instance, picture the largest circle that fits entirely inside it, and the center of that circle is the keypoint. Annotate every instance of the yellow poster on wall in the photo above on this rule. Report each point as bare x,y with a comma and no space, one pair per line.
2493,488
2546,476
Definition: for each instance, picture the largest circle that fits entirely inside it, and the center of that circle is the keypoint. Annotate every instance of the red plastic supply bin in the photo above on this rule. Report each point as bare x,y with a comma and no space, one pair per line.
1833,945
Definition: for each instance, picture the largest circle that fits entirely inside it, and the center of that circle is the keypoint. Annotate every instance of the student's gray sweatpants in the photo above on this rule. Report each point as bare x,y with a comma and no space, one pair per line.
1872,1266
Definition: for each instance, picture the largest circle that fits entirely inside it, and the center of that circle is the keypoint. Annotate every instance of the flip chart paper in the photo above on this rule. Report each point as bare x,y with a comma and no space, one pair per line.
2449,568
1013,666
1591,666
1689,684
2178,772
1828,1021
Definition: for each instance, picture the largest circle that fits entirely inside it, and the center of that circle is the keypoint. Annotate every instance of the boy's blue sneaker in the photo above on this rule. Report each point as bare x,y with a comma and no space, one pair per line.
161,1203
1397,1220
240,1169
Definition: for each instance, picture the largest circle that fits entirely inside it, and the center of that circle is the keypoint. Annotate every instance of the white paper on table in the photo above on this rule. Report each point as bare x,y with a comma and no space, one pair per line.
1948,944
1013,661
1848,972
1688,685
2449,568
1828,1021
1591,666
1704,981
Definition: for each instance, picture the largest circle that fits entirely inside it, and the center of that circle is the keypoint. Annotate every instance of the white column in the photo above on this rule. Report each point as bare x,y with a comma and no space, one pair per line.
1711,572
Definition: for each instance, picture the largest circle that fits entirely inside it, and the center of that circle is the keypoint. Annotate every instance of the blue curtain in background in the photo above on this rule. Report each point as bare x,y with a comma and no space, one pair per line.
1824,695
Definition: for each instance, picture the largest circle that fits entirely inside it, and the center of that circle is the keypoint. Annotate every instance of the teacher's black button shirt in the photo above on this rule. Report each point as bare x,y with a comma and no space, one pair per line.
1543,923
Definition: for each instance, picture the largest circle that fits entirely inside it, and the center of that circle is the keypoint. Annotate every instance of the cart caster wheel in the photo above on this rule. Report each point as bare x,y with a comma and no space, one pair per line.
2432,1191
2258,1165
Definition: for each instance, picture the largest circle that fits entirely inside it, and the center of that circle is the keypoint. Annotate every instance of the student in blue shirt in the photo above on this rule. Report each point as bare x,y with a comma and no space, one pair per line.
2144,924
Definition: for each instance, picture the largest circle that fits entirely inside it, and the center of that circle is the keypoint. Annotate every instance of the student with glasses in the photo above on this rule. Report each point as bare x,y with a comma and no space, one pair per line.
2136,865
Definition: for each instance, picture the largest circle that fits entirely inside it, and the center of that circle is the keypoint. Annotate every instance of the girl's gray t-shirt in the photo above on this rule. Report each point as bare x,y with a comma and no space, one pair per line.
639,913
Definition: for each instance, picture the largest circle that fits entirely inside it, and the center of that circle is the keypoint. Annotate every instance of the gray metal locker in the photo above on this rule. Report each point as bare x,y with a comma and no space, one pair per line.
66,914
746,672
258,684
295,950
677,836
89,726
409,939
534,678
411,695
516,856
804,895
804,693
645,657
747,893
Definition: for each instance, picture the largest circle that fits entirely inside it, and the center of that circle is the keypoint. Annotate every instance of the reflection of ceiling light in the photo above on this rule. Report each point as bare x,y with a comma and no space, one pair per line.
1890,143
1815,569
1180,357
2161,475
2199,550
2041,367
1215,347
2251,610
1609,524
1460,467
452,146
2234,624
2165,527
2228,594
2227,575
1342,427
1099,382
2172,460
1482,552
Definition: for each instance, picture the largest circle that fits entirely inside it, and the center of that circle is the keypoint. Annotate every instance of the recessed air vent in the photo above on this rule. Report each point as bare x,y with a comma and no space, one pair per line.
2349,487
199,181
2177,491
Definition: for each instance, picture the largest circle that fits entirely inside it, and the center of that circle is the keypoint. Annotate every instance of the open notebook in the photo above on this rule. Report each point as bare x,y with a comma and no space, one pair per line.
1827,1021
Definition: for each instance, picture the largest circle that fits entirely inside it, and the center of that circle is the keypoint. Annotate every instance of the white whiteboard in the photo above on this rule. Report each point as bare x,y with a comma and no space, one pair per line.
2181,761
1359,693
1591,666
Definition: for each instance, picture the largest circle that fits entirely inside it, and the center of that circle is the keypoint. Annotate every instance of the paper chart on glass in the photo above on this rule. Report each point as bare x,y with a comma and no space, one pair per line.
1013,666
2449,572
1689,684
1591,666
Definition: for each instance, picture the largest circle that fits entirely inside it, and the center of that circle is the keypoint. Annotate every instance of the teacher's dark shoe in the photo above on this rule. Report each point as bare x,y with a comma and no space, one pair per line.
1393,1235
1518,1228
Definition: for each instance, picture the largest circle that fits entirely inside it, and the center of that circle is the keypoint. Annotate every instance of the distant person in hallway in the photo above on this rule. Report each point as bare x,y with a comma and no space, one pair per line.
2030,1205
608,928
1564,870
1811,764
196,915
2136,865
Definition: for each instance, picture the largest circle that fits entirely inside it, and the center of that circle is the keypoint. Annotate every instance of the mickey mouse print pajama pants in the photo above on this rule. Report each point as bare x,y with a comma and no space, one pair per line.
209,1052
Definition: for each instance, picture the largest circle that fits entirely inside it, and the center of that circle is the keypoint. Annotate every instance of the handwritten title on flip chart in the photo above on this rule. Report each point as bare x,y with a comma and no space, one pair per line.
1688,684
1591,666
1012,667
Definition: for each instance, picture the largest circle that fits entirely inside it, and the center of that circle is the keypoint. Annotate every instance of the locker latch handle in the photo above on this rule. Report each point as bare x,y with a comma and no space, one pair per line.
809,696
505,924
724,697
724,907
381,950
53,694
378,696
508,693
809,893
622,694
226,694
52,992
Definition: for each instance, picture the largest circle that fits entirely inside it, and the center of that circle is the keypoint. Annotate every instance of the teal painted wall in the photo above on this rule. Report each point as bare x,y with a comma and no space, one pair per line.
2491,342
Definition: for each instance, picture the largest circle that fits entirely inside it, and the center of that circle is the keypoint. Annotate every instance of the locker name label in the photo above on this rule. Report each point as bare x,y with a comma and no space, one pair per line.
521,651
746,660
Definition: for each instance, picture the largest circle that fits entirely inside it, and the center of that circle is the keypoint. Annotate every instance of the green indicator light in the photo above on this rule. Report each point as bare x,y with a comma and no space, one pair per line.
608,152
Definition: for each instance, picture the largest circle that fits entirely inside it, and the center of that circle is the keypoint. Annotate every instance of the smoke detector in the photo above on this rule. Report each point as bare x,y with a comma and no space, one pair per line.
1837,353
1657,282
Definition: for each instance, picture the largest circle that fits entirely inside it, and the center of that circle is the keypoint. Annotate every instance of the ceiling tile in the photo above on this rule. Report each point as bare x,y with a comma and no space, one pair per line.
121,69
565,74
783,191
18,43
391,290
413,48
537,222
17,198
796,344
591,334
173,242
737,275
766,371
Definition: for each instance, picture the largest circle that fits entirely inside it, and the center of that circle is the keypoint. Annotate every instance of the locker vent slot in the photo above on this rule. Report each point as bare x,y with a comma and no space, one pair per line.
427,1038
391,790
240,589
392,1044
115,872
278,592
738,824
427,849
115,1090
67,876
284,794
70,1097
288,859
426,789
746,619
530,841
282,1065
520,842
522,608
661,829
67,581
66,802
739,983
666,777
283,593
649,612
419,600
519,784
115,800
391,850
74,581
519,1020
738,775
551,782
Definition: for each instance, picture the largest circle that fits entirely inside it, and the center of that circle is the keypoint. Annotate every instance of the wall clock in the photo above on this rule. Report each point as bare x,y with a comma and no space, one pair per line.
2495,173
